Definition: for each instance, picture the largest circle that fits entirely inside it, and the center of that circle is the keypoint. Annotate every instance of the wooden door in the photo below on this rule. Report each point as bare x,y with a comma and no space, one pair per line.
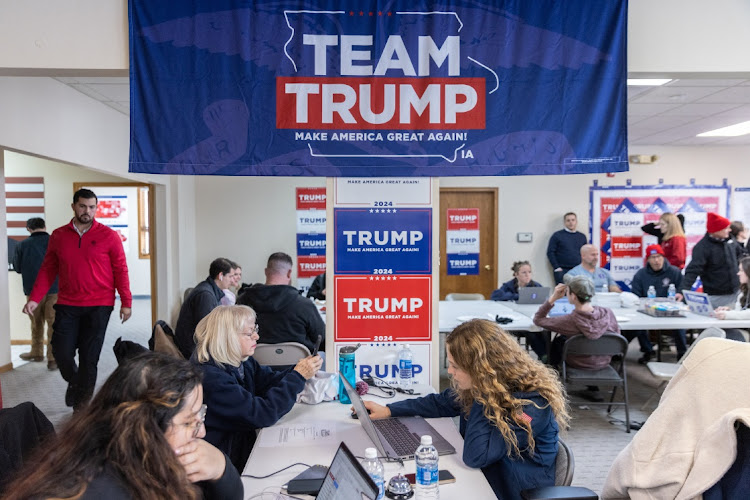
485,199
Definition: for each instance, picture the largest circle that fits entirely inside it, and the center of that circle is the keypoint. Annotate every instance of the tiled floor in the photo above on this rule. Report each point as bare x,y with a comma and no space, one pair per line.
594,440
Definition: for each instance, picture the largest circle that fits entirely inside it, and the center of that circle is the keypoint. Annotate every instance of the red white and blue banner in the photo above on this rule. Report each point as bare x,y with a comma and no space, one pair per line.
372,89
383,240
462,241
618,212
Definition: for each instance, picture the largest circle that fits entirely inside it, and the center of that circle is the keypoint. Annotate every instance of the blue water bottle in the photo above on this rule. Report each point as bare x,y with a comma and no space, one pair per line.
346,370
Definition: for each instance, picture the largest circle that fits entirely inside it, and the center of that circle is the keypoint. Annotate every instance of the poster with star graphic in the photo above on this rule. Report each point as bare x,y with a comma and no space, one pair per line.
383,308
383,241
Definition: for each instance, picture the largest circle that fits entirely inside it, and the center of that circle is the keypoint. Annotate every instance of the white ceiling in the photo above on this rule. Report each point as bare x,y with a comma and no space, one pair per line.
672,114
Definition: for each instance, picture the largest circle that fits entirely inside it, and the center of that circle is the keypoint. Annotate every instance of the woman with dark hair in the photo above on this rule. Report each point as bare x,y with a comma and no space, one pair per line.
140,437
521,278
586,319
741,309
511,407
242,396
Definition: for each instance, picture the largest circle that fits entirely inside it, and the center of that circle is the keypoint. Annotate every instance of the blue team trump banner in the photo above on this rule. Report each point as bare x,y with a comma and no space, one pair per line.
372,89
383,241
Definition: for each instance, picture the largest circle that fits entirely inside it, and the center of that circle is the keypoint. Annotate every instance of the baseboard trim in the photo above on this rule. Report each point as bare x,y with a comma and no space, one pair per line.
20,342
6,368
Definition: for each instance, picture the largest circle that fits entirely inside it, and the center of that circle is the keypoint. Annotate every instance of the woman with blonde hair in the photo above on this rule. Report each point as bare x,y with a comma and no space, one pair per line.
242,395
511,407
671,235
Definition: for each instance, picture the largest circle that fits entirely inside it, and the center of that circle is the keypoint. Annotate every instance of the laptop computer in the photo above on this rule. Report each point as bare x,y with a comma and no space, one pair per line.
399,437
532,294
698,302
345,479
561,307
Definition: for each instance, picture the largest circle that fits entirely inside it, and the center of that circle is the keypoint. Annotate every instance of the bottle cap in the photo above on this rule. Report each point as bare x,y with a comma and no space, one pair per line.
406,346
426,440
371,453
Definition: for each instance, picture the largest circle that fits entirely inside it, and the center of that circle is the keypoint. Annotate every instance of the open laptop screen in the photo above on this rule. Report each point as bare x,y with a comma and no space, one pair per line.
346,479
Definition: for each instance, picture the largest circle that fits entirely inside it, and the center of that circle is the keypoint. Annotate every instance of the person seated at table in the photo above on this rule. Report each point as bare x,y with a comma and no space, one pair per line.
741,310
509,291
242,396
739,232
511,407
318,288
521,278
586,319
589,267
659,273
688,443
140,437
282,313
670,231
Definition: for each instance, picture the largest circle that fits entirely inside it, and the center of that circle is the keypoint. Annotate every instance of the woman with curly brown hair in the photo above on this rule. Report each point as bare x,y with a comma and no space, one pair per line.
511,407
141,437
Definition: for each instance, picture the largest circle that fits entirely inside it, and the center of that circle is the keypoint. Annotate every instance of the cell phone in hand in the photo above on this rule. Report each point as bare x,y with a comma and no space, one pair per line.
444,477
317,345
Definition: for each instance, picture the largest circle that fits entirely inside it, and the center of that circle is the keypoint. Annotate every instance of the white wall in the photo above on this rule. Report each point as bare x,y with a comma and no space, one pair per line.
246,219
58,192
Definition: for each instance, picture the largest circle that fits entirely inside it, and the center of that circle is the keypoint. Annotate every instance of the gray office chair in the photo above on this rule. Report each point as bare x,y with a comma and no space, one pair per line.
564,468
187,292
464,296
613,375
282,354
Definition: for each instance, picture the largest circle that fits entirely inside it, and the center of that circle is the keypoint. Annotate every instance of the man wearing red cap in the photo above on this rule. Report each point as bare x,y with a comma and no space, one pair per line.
659,273
715,259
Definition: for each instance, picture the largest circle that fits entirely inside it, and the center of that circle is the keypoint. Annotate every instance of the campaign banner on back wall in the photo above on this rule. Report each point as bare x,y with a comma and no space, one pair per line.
619,212
311,235
367,89
462,241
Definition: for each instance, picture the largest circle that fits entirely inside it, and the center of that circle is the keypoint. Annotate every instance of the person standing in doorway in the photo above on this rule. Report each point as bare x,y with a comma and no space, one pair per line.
89,259
563,250
27,260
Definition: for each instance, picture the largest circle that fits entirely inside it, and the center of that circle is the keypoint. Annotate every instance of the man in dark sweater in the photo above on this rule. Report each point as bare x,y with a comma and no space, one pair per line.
27,260
659,273
202,300
283,315
715,259
564,247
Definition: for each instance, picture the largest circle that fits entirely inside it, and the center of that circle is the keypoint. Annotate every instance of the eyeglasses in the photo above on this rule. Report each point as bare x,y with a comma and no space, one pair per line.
255,330
196,425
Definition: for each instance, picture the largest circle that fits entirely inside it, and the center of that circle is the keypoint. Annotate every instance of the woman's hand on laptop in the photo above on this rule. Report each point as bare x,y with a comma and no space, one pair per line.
377,411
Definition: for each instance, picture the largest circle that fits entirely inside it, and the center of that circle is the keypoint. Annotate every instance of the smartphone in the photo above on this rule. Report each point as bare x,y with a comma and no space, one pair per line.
304,486
444,477
317,345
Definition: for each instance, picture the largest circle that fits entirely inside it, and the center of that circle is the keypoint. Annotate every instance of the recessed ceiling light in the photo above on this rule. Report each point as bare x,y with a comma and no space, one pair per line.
730,131
648,82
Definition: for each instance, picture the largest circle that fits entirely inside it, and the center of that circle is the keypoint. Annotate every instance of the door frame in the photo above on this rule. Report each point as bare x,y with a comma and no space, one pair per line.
151,222
494,191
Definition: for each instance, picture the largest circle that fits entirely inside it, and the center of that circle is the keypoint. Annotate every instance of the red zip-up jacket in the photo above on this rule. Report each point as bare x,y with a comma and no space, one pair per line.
90,267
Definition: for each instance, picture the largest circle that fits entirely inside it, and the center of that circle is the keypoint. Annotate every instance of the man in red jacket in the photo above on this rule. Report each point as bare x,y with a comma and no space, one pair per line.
89,260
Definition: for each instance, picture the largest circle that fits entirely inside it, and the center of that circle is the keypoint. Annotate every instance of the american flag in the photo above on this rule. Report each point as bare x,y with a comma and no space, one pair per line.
24,199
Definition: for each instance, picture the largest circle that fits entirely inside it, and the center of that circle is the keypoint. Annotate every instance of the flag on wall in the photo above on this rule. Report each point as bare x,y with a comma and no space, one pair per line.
24,199
366,89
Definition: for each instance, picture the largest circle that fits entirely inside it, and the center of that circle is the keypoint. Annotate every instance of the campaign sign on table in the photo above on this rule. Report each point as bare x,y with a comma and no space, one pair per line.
380,359
383,308
372,89
383,240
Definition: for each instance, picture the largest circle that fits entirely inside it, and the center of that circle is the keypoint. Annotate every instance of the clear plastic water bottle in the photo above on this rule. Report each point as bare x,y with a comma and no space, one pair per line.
651,295
405,371
374,467
426,456
672,292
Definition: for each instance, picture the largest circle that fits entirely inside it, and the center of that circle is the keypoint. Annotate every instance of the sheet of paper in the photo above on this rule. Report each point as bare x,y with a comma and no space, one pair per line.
301,433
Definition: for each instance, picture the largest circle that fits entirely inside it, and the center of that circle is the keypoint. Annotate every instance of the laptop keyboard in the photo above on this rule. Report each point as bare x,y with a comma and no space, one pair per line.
403,442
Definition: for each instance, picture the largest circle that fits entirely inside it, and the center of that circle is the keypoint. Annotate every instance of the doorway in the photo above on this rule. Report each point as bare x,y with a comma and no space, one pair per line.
485,200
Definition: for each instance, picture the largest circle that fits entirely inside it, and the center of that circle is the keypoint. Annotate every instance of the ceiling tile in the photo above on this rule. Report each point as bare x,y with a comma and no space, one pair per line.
677,95
112,91
638,109
731,95
707,82
700,109
85,89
